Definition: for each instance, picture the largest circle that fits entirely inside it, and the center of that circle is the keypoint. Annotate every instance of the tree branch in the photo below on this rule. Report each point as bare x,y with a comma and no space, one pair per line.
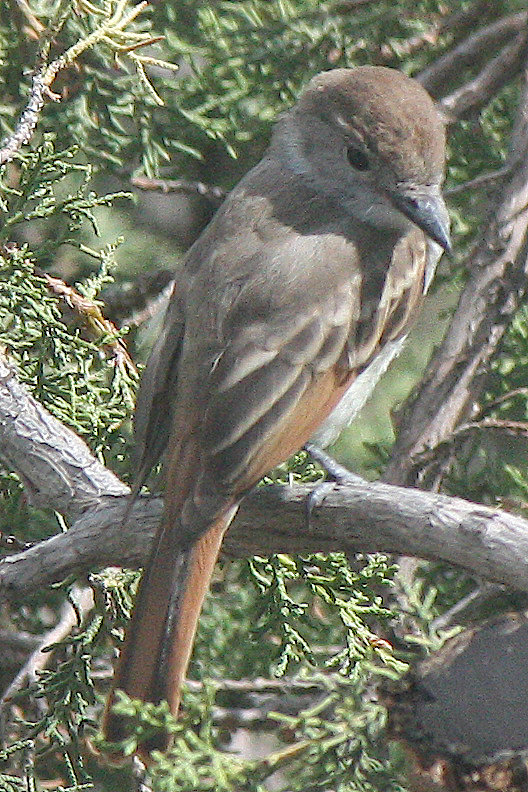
476,94
473,50
60,472
359,517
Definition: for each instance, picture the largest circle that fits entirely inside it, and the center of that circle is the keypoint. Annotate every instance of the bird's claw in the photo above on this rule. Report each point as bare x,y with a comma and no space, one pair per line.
338,474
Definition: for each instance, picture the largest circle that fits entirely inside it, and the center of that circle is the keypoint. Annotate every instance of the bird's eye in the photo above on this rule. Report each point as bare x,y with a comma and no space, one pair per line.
358,159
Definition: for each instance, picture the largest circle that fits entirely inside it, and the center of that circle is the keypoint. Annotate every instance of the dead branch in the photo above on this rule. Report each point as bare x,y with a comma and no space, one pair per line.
473,50
476,94
464,19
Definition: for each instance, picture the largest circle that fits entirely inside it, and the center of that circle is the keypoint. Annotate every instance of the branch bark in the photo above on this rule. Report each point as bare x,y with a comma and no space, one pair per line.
56,466
356,517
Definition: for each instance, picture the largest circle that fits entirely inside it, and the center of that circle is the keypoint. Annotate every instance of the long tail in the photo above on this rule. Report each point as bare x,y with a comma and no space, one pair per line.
159,641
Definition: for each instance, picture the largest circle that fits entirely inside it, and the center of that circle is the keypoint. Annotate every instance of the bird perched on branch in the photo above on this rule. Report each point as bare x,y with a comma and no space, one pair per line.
295,299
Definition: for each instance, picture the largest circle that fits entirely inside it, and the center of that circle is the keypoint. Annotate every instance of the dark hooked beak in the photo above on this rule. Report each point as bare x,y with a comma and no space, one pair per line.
428,211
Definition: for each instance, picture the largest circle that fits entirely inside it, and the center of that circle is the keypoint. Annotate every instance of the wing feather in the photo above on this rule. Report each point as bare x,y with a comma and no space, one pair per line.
243,414
153,414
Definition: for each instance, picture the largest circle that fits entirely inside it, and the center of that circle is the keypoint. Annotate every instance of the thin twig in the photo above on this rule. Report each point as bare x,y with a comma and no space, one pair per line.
465,19
25,126
468,607
345,6
510,427
413,43
92,315
439,456
215,195
39,659
505,396
480,181
264,685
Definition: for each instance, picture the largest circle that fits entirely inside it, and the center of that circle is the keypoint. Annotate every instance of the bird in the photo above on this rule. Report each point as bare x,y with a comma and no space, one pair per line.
290,306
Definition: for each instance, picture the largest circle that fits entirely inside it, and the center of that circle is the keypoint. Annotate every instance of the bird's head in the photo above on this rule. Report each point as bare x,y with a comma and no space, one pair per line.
372,138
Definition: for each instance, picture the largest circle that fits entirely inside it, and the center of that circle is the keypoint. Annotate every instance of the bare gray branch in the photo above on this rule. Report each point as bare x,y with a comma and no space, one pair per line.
60,471
358,517
56,466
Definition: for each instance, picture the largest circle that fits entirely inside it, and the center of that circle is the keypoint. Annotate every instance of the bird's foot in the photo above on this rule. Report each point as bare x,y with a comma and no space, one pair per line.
338,474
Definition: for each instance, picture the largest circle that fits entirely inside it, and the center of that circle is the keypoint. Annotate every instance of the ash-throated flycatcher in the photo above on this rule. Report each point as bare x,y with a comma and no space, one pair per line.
295,298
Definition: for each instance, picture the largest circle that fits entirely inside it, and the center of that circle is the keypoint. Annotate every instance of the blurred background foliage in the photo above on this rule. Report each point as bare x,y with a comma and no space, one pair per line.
80,202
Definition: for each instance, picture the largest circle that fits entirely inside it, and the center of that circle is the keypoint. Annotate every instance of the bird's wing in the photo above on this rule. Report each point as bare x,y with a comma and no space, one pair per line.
272,385
153,413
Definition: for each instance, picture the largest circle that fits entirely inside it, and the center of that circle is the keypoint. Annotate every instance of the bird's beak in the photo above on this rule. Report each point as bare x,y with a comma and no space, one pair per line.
428,211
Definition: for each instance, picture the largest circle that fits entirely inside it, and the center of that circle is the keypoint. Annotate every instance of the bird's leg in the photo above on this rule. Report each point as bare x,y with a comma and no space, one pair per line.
338,474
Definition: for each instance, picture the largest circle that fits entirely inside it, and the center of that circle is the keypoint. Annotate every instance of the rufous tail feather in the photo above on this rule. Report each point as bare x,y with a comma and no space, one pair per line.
160,637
